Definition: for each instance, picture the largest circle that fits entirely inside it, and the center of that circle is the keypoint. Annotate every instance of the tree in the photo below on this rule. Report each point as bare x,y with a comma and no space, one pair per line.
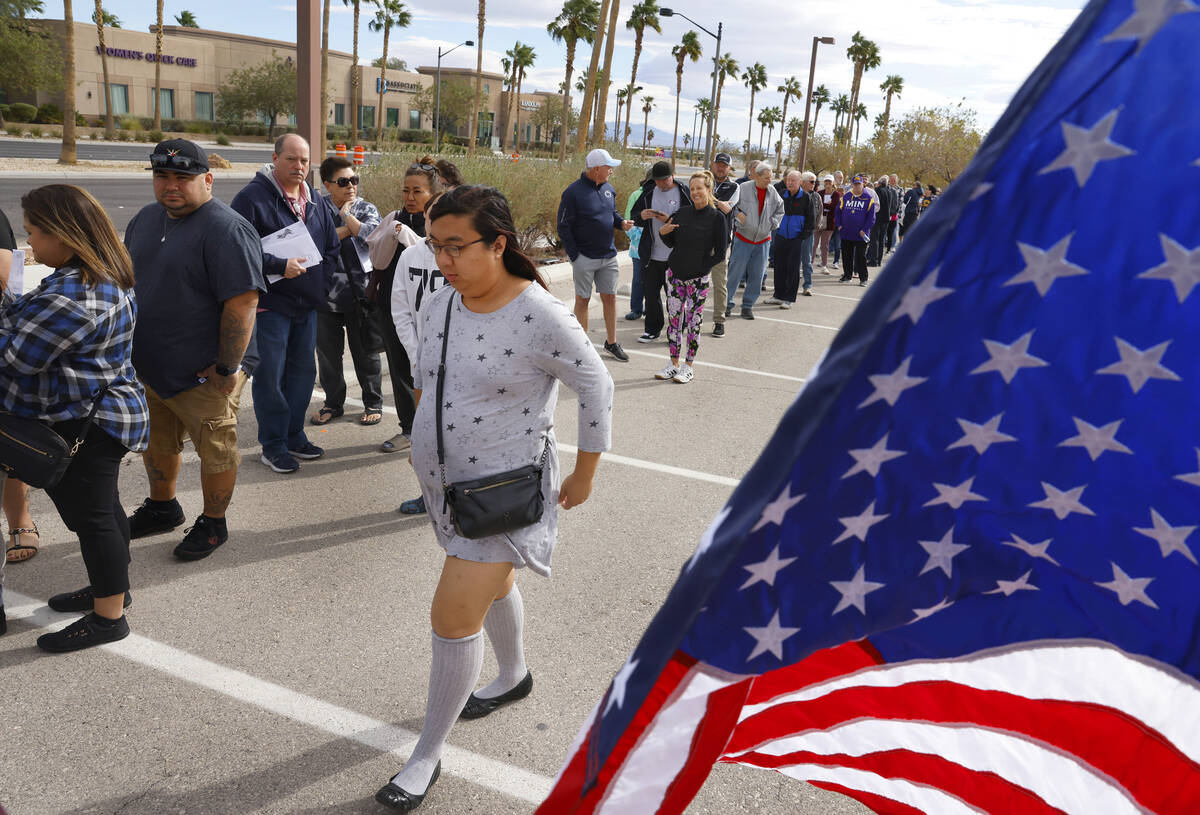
933,143
355,71
481,18
268,88
576,21
892,86
790,87
109,19
604,78
864,54
643,16
98,18
647,106
688,48
726,66
158,35
549,118
794,130
186,19
391,14
763,116
820,97
859,115
521,57
394,63
755,78
704,106
67,154
589,91
456,103
29,58
840,107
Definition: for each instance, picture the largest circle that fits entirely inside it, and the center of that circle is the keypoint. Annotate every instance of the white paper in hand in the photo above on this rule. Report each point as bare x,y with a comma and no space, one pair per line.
293,241
16,275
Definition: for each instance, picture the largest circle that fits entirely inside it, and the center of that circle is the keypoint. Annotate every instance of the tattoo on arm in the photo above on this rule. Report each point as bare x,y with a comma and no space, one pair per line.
237,323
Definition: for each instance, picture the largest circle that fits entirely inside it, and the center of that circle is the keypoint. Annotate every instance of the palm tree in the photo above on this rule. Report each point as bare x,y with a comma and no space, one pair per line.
474,128
726,66
391,14
688,48
647,106
111,20
158,35
704,105
794,130
820,97
521,57
774,117
790,87
763,116
576,21
841,107
186,19
319,149
66,154
354,71
98,17
755,78
864,54
643,16
603,79
581,85
589,91
621,94
892,86
859,115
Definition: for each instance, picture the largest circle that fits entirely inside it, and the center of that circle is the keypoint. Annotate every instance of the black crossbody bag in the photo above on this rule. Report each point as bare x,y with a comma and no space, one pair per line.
495,504
31,451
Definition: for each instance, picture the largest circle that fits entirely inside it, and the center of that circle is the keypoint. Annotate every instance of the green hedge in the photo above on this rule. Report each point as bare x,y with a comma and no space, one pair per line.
21,112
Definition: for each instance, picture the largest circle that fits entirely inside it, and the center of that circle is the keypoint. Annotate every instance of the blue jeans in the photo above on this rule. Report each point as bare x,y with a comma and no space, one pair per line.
749,261
635,288
283,382
835,245
806,259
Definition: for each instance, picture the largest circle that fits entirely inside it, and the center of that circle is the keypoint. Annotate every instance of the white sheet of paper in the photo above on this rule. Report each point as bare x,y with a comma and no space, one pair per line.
293,241
16,276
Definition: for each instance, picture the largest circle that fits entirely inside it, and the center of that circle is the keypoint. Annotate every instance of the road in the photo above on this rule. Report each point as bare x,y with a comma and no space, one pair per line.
287,673
104,151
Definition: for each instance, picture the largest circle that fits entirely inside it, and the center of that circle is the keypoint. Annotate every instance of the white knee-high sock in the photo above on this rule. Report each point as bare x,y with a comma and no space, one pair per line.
452,673
505,627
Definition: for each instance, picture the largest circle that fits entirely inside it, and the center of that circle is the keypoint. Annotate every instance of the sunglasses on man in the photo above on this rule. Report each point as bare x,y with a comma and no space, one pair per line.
346,181
183,164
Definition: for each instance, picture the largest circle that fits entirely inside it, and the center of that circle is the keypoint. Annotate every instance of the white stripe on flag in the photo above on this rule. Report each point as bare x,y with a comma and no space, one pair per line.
925,799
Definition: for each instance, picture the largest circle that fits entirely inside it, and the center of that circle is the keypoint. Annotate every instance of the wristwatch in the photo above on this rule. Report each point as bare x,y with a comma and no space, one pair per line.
223,371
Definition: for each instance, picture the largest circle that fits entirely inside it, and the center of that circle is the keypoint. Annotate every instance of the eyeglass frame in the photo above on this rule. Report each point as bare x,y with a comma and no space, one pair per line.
347,180
452,250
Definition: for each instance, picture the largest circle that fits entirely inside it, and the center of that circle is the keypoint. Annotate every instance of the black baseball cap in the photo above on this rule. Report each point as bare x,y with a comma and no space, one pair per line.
661,169
725,157
179,156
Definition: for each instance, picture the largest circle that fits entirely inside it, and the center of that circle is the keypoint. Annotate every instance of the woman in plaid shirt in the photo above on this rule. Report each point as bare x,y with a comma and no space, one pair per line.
62,346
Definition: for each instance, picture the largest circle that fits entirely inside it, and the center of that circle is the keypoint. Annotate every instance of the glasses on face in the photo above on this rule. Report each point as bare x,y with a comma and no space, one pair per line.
346,181
183,164
452,250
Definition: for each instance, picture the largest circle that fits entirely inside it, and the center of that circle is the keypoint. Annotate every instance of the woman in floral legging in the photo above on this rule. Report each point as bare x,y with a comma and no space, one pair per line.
697,235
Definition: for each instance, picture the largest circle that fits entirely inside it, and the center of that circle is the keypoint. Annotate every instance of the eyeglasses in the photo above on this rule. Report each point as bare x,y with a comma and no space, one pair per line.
452,250
346,181
185,164
429,167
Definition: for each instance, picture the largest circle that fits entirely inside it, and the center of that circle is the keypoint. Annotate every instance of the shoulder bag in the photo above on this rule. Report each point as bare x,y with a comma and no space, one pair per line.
31,451
495,504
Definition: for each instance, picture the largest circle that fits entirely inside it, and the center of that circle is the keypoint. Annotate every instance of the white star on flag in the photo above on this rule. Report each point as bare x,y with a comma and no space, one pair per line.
858,525
1010,587
870,459
855,590
942,553
1006,360
1096,440
1192,478
1169,538
1138,366
1062,502
888,387
766,570
981,436
769,638
1128,588
774,512
955,496
1044,266
1086,147
922,613
1181,267
1148,17
620,682
1039,550
981,190
918,298
706,540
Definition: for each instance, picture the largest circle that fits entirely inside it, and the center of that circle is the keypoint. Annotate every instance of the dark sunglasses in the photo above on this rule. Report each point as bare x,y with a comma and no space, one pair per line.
427,167
346,181
185,164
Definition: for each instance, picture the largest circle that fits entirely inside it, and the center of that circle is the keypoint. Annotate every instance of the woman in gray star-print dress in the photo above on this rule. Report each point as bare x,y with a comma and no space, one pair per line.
510,343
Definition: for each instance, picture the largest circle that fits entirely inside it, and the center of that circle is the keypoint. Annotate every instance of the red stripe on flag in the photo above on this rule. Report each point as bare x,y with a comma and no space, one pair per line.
823,665
1155,773
876,803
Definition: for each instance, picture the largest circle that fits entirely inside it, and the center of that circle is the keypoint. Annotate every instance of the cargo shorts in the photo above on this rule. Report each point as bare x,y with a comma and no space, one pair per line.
203,414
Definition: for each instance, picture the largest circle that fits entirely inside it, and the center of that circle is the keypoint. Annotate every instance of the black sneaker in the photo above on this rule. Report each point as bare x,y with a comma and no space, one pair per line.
280,462
633,315
747,313
647,337
81,600
719,330
3,621
153,517
307,451
85,632
616,350
202,539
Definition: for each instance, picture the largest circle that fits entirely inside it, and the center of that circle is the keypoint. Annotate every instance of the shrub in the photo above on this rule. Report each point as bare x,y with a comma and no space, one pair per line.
197,127
80,120
5,110
154,136
49,114
94,136
132,123
16,132
223,140
22,112
35,132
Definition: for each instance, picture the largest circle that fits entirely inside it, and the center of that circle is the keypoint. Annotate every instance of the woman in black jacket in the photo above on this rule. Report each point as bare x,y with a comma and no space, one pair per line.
697,235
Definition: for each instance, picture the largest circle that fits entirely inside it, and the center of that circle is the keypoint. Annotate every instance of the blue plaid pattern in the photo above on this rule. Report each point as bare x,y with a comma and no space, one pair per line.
64,341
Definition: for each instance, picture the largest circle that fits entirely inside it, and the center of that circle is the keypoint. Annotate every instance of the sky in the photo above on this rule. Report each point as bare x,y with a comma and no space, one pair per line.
977,52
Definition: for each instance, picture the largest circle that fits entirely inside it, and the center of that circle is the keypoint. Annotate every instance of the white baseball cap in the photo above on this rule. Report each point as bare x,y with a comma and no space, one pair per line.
601,158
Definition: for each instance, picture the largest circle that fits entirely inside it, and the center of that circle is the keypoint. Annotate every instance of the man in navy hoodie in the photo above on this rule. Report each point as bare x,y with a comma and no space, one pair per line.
286,327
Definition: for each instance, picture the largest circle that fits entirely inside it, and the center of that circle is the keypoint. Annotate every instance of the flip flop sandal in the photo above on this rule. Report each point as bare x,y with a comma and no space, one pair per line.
370,417
17,551
326,415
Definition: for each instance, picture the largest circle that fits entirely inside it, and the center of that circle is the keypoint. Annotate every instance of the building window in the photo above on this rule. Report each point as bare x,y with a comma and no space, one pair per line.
414,120
484,132
393,117
292,120
339,113
120,99
166,102
366,116
204,106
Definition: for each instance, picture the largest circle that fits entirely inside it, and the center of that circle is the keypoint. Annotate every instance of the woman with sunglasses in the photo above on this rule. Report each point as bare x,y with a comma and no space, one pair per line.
510,342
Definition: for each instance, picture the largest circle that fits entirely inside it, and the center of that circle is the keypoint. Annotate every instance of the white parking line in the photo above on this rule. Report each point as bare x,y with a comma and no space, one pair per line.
800,379
515,782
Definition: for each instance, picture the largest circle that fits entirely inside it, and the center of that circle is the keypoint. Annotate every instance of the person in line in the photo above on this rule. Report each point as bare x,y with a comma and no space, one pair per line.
286,329
496,399
835,242
878,232
801,211
893,235
661,198
637,307
856,218
931,194
587,219
198,267
65,348
749,176
757,214
831,198
698,236
725,198
348,317
912,207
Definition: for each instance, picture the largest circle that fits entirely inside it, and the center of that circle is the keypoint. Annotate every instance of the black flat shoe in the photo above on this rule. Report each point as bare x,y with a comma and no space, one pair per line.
86,632
477,708
81,600
402,800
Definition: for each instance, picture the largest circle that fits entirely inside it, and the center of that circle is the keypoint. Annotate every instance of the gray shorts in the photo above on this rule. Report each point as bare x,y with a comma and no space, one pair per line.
602,270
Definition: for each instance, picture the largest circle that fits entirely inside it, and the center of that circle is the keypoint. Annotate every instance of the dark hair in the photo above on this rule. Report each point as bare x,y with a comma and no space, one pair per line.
76,219
447,170
491,218
332,165
429,171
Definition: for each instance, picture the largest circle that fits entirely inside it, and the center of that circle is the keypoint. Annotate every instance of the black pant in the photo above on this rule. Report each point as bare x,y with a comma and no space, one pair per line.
654,283
854,253
788,256
334,329
907,221
88,502
397,358
878,236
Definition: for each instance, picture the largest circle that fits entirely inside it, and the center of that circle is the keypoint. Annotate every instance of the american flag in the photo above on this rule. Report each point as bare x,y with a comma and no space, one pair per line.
962,577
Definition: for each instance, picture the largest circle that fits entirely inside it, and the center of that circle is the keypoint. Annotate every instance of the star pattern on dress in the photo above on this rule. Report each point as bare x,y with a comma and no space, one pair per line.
857,526
449,405
1044,266
1096,440
889,387
1011,587
479,338
1038,550
556,354
869,460
765,571
942,553
529,318
1007,360
855,590
1181,267
477,420
1062,502
922,613
525,412
769,637
774,512
578,363
1086,147
501,391
593,424
450,426
1169,538
472,460
955,496
1138,366
616,697
981,436
918,298
981,189
529,431
1148,17
1192,478
508,352
1128,589
481,357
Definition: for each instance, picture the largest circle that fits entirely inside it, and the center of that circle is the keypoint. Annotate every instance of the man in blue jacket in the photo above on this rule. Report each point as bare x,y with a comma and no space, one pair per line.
286,328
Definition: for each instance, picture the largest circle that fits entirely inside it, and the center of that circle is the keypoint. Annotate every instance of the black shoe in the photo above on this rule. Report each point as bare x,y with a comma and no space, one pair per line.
728,311
747,313
617,351
400,799
477,708
202,539
647,337
633,315
719,330
844,280
85,632
153,517
413,506
307,451
81,600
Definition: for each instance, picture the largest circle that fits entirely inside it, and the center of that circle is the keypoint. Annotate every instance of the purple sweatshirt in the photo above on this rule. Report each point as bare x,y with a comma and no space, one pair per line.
857,215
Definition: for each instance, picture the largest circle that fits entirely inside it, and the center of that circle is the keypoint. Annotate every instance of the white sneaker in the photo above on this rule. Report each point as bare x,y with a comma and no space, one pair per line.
772,301
835,265
669,372
785,304
684,374
647,337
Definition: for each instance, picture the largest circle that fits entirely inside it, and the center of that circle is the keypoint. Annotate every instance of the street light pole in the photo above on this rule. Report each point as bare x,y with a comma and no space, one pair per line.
708,138
695,113
437,95
812,69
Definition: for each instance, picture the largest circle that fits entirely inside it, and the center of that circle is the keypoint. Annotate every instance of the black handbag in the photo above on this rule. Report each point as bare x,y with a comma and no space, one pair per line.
31,450
495,504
